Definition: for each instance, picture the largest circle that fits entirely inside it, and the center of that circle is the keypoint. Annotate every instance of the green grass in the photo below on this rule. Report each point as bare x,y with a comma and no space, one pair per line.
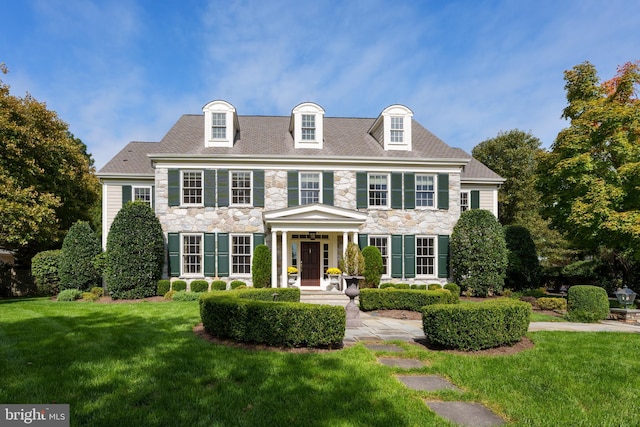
140,364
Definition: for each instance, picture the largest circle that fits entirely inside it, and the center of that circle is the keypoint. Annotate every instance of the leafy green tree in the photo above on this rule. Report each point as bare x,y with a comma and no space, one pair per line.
261,267
47,181
372,267
523,269
590,180
44,269
135,252
478,252
75,267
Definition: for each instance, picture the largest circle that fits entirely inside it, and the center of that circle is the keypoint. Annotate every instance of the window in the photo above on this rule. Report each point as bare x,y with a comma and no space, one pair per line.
218,126
378,190
142,194
191,188
425,256
382,243
309,188
192,254
464,201
241,254
308,127
397,129
241,188
425,190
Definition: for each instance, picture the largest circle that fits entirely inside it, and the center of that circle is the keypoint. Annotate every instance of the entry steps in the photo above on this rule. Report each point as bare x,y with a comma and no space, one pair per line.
324,297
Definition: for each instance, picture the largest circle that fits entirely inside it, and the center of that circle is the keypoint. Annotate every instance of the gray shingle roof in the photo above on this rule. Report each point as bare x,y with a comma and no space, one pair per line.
266,136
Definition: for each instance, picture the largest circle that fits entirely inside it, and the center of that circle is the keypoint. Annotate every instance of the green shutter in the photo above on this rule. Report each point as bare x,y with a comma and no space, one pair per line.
363,241
327,188
475,199
153,198
258,188
210,187
443,191
173,244
292,188
258,239
223,187
409,191
174,187
362,200
443,256
223,254
396,256
126,194
409,256
396,190
209,254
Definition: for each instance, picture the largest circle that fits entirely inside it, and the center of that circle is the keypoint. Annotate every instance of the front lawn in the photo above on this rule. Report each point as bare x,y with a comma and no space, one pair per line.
140,364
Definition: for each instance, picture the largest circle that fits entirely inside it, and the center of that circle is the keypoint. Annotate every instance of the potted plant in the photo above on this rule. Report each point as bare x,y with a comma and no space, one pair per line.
334,277
292,274
353,266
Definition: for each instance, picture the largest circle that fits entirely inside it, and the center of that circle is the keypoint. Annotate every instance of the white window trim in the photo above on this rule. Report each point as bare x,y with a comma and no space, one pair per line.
149,187
231,123
182,267
406,114
387,206
435,256
231,253
182,203
231,172
319,184
435,192
214,126
307,109
388,257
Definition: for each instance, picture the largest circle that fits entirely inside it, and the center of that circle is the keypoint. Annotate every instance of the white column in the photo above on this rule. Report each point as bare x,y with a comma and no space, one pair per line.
345,241
285,260
274,259
355,237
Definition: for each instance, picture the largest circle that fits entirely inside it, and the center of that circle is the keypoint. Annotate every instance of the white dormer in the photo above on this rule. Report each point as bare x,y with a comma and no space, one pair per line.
220,124
392,128
306,125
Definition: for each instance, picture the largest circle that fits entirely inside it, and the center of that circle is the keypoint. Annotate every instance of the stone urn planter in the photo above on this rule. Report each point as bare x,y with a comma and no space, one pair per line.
353,267
292,276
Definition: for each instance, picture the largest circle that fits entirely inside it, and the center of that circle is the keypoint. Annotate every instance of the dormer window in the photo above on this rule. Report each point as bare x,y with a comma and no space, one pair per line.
220,124
392,128
306,125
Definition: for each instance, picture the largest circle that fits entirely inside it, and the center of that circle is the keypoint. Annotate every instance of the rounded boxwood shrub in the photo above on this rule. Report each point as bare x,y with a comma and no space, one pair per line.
419,287
476,326
586,303
69,295
261,267
551,304
386,285
44,269
135,252
236,284
75,266
373,267
199,286
98,291
90,296
433,286
186,296
218,285
453,288
164,286
169,295
178,285
403,299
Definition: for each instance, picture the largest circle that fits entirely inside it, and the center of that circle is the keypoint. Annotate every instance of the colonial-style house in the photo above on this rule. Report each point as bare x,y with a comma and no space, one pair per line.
304,185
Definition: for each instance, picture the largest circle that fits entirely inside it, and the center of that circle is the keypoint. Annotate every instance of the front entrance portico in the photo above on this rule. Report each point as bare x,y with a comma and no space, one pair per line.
310,238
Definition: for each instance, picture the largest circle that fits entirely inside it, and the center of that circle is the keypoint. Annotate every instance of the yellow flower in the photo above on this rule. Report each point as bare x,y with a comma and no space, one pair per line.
292,270
333,270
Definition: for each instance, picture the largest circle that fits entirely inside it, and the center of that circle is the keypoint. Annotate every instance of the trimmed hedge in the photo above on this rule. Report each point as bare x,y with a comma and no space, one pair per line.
403,299
453,288
395,286
419,287
261,267
44,269
552,304
251,315
218,285
236,284
476,326
587,303
75,267
199,286
186,296
164,286
69,295
433,286
178,285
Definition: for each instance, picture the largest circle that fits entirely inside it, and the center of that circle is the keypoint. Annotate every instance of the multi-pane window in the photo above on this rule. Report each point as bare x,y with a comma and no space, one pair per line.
191,188
191,254
241,188
309,188
382,243
397,129
308,127
218,125
378,190
464,201
425,190
142,194
425,256
241,254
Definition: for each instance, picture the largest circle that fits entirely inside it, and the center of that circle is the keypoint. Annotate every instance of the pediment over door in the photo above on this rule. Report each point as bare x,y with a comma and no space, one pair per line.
318,217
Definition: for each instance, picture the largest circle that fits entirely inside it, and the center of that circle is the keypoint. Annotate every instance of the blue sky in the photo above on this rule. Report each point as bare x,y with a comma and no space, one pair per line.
120,71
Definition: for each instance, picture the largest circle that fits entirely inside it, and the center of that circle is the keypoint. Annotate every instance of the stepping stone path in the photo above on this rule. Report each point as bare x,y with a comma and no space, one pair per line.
462,413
